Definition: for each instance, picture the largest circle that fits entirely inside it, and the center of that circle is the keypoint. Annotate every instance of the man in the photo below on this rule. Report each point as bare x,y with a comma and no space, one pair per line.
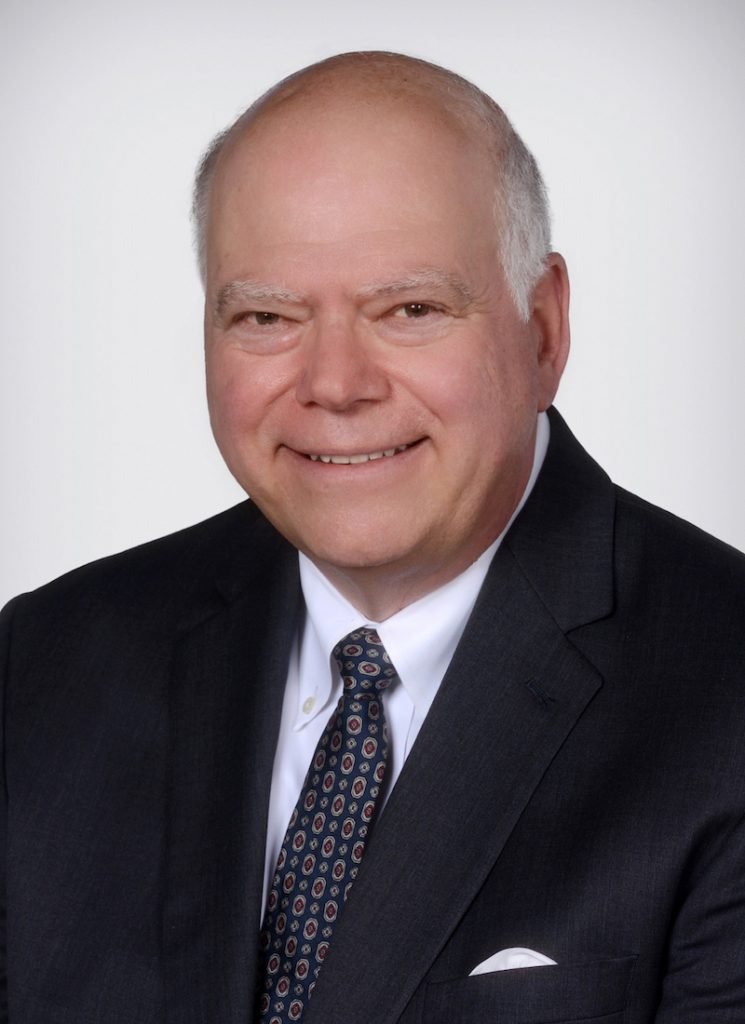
558,666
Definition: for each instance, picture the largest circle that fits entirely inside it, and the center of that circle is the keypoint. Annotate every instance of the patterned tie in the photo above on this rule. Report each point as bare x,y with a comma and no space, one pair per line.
328,829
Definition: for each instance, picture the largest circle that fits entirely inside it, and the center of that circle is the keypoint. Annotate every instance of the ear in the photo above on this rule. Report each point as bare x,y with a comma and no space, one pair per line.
549,326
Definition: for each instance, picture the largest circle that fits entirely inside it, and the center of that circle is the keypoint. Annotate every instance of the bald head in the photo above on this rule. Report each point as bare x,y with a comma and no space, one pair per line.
420,91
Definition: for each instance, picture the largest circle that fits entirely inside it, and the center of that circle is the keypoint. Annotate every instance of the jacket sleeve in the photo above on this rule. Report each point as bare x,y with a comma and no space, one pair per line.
5,629
705,978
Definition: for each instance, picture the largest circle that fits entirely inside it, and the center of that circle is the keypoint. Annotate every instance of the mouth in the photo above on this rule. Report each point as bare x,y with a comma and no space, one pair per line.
358,458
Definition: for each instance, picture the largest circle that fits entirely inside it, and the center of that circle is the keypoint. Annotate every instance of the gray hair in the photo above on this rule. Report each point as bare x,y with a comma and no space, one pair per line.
521,207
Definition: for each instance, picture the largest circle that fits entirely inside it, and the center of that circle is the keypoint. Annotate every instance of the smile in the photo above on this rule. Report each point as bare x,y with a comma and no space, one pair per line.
354,460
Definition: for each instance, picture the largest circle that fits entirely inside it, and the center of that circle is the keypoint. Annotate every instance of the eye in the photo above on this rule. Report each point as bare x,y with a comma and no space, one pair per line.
414,310
261,318
262,332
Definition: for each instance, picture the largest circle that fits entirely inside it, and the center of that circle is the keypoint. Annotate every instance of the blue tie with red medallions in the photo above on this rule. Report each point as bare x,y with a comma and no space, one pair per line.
327,833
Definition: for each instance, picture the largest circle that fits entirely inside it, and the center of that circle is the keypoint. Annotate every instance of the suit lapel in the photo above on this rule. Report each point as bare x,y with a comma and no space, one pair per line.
226,696
511,696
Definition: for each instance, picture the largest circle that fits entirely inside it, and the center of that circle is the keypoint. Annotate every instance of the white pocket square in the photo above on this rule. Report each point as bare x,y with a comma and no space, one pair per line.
508,959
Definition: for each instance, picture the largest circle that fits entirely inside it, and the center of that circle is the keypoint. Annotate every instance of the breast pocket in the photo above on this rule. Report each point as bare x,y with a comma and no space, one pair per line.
594,993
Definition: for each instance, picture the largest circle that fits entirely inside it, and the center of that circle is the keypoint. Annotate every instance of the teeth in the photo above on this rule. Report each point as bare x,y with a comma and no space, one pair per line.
355,460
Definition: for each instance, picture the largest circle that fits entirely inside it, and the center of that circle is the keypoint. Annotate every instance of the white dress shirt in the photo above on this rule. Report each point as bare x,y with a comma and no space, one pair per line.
420,641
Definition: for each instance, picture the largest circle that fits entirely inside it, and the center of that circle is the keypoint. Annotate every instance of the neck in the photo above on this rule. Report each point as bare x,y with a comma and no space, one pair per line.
378,592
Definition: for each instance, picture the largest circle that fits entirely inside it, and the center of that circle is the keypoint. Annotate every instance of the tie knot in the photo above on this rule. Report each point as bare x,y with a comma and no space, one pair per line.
363,662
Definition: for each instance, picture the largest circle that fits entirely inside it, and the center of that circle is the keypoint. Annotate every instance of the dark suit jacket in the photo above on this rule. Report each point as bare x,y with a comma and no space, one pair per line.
577,788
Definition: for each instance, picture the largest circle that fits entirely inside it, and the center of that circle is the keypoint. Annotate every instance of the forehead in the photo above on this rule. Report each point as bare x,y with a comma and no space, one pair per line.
314,165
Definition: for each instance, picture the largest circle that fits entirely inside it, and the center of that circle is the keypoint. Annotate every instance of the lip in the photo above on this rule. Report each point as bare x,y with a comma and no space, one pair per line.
355,459
358,459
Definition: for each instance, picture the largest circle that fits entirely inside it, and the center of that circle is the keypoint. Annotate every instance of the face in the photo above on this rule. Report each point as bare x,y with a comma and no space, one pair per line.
370,383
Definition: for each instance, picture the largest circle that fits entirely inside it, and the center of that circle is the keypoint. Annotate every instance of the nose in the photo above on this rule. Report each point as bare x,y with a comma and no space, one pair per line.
339,369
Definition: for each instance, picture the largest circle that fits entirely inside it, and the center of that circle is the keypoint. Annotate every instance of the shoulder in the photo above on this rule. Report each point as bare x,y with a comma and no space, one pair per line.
638,583
595,520
162,582
672,554
674,639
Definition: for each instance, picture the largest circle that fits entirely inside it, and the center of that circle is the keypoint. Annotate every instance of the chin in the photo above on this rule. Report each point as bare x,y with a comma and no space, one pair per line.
353,550
350,557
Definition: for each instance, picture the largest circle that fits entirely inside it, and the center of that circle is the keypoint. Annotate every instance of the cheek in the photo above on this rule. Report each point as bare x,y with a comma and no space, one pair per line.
241,393
478,395
486,405
228,407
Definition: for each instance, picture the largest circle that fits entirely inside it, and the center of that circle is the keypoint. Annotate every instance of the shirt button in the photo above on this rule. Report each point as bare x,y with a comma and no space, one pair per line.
308,705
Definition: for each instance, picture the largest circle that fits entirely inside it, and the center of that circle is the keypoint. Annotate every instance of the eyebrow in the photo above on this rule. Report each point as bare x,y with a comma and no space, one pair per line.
427,277
257,292
250,291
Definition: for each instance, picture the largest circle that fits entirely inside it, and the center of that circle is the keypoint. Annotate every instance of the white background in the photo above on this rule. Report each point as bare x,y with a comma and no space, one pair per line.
634,111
